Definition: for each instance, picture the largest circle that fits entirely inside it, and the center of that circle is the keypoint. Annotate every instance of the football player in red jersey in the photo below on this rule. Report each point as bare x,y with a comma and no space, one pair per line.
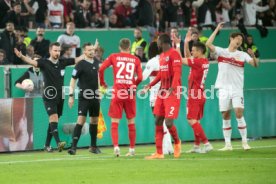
168,100
199,66
125,66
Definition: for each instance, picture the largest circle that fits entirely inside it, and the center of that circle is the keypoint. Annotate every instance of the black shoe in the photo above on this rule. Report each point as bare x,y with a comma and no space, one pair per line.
72,151
61,146
95,150
48,149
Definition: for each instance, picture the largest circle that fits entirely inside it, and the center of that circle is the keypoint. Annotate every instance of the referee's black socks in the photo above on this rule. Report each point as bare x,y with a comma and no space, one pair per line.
93,130
76,135
49,136
54,126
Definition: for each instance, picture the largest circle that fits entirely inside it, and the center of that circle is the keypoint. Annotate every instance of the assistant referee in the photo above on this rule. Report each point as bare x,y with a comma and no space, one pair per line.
86,71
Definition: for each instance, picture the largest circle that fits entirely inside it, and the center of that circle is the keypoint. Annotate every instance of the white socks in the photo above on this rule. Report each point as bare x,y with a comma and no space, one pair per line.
242,129
227,131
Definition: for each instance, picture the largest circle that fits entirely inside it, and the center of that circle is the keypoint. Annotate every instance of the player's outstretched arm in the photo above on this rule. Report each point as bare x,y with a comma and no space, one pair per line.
24,58
211,39
255,61
71,92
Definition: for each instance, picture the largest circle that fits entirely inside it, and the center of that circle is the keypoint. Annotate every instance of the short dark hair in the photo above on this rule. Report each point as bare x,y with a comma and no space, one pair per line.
86,44
164,38
54,44
200,46
139,29
234,35
124,43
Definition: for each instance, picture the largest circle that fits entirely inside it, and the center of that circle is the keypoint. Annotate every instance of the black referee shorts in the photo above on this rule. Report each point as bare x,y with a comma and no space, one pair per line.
92,106
54,106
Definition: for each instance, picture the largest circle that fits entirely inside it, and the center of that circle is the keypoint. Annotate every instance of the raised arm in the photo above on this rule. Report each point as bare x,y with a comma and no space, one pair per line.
24,58
255,61
176,41
211,39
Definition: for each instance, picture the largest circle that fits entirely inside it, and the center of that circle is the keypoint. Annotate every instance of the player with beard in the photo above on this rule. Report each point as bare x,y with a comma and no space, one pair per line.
53,70
86,72
139,41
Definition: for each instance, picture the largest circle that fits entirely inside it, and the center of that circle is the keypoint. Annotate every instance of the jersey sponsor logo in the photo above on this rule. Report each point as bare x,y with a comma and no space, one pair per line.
231,61
176,61
164,67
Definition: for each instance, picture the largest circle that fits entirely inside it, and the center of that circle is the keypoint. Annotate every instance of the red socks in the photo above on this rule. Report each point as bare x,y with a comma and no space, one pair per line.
199,134
159,134
114,133
132,135
174,134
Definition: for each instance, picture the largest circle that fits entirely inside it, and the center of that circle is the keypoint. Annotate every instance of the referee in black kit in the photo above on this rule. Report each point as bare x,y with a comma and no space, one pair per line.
86,71
53,70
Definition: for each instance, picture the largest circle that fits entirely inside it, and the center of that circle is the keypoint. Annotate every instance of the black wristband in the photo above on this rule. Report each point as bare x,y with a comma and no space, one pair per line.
71,95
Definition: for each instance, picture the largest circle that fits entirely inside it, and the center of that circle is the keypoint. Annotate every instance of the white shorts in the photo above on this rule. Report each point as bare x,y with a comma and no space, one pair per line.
229,99
153,96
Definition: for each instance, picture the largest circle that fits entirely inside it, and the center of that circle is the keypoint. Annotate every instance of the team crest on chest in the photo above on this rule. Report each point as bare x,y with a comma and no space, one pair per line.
167,58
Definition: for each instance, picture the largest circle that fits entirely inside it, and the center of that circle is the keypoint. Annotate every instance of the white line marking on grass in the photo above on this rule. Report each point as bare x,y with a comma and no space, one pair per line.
108,156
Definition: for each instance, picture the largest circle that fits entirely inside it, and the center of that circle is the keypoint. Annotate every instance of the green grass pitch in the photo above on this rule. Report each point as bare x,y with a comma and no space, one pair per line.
236,167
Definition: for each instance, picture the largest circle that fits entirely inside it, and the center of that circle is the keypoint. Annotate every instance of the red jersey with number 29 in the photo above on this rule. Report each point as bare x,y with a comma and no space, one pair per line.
198,73
125,66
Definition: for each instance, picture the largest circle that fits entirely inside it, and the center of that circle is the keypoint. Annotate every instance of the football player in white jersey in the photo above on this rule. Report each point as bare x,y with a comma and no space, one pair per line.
229,83
151,70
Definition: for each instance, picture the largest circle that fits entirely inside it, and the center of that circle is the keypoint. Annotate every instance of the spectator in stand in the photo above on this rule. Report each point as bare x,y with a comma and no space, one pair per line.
250,45
144,13
194,39
99,53
124,14
171,15
27,39
20,46
66,51
206,12
98,21
68,10
5,7
175,33
41,45
41,13
223,9
55,14
113,21
97,6
3,59
83,16
187,9
14,15
251,8
30,51
8,41
29,8
139,41
268,17
158,16
70,38
139,52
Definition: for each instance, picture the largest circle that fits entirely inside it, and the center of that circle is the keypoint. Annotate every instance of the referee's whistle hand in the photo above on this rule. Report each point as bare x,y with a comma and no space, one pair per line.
71,102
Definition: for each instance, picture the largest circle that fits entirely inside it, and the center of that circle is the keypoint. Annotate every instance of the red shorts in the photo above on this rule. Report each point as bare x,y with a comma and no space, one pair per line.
118,105
195,108
168,107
